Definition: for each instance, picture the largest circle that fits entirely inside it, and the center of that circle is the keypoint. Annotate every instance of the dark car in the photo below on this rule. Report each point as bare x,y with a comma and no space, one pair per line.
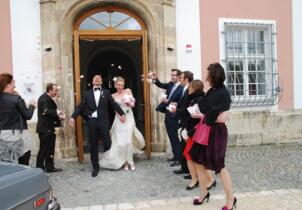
25,188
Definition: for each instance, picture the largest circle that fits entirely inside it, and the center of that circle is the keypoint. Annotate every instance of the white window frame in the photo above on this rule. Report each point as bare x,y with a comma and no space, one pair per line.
222,48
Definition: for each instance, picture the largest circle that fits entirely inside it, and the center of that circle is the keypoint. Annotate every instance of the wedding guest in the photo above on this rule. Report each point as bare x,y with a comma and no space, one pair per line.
186,78
15,140
49,118
173,94
195,94
215,106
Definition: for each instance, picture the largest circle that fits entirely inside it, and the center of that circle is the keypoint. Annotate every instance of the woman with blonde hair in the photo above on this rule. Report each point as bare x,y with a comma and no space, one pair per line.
126,138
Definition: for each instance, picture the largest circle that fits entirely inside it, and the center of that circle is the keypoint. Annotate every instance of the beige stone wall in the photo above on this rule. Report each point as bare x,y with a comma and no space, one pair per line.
264,127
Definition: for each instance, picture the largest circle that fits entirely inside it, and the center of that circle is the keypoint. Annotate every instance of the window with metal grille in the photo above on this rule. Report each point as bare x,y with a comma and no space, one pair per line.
250,64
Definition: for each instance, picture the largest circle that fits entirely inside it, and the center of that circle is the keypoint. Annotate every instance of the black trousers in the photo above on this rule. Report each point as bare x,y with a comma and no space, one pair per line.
171,122
24,159
45,157
97,131
183,161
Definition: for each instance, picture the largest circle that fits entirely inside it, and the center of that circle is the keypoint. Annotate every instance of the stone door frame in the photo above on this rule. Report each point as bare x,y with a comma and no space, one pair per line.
110,34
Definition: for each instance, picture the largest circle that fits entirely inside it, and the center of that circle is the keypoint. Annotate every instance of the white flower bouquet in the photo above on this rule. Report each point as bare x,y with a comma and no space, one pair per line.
128,100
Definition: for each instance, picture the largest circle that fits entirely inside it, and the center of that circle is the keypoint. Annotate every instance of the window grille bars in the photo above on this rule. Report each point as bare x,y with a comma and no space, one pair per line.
250,63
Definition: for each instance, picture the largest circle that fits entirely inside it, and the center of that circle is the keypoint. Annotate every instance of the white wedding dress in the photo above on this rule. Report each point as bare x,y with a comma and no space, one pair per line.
126,139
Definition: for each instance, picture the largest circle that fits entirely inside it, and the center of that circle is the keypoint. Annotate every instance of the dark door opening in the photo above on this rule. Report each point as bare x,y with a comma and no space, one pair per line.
112,58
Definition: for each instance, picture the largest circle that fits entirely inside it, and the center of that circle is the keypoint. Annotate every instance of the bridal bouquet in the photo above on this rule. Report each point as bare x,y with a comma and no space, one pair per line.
128,100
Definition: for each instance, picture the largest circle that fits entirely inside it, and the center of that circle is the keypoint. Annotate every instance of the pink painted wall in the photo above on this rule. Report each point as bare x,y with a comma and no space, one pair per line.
278,10
5,40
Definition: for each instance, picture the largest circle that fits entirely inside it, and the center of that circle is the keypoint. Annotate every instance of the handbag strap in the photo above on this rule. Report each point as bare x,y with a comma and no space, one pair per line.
202,119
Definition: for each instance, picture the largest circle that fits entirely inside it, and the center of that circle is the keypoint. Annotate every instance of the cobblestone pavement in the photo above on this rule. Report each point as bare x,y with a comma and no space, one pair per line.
272,171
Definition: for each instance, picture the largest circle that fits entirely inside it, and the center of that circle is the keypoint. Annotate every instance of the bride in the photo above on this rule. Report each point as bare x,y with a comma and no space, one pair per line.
126,138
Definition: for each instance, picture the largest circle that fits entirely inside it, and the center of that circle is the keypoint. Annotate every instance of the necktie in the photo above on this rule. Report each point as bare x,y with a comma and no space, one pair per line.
172,91
183,92
95,89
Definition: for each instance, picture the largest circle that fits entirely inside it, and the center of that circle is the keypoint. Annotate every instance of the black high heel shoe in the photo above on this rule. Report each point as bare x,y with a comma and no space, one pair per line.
191,188
234,205
196,201
212,185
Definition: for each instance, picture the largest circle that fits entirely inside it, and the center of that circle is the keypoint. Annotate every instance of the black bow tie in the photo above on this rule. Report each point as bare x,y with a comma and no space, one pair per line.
95,89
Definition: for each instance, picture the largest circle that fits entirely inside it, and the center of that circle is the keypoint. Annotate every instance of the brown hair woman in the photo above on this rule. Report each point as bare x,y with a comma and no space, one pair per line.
215,106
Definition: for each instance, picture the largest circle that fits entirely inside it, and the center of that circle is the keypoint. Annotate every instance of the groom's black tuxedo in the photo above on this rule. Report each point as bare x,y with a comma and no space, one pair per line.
97,126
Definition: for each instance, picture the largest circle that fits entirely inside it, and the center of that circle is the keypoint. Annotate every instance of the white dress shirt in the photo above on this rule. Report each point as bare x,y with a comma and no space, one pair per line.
184,90
97,94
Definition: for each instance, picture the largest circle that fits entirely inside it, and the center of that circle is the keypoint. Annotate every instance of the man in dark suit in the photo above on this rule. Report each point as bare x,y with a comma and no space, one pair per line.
173,95
49,117
94,109
186,78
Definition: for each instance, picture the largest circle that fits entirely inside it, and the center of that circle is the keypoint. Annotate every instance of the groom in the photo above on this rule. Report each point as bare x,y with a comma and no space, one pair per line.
94,109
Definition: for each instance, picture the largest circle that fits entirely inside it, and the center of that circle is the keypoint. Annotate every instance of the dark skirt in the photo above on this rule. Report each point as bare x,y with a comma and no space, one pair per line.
212,156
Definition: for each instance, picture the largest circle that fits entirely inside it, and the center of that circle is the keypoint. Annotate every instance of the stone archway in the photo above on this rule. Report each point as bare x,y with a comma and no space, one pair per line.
57,18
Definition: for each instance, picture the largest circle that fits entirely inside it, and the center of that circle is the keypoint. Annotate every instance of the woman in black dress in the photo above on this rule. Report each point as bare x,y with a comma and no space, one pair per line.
214,106
195,94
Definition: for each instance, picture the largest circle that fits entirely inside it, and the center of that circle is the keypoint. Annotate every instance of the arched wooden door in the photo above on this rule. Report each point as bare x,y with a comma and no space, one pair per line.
109,24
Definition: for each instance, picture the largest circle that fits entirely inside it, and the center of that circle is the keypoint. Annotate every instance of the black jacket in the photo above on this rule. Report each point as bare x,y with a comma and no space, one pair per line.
48,117
88,106
181,111
216,100
186,121
13,112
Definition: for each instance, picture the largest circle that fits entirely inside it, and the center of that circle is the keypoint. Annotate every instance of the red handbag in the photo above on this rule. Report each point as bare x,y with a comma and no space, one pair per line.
202,133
